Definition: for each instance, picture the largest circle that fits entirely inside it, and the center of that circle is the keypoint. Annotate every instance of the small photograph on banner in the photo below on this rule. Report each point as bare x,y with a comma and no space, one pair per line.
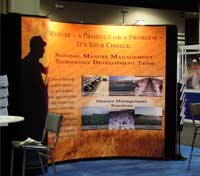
94,85
148,86
121,85
121,119
95,118
149,118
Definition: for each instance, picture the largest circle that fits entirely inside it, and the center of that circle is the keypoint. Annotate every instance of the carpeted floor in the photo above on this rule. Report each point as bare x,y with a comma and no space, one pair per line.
131,167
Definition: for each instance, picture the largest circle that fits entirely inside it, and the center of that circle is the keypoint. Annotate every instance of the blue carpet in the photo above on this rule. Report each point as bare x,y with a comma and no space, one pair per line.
131,167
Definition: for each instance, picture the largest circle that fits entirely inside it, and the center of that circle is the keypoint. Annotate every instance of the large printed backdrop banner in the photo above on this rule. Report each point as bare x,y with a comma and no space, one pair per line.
109,83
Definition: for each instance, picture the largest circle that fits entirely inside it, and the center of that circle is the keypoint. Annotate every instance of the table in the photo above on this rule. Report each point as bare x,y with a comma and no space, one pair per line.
6,119
5,141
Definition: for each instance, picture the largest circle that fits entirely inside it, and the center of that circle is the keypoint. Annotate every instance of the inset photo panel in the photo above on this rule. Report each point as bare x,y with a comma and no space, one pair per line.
148,118
94,118
121,119
94,85
121,85
148,86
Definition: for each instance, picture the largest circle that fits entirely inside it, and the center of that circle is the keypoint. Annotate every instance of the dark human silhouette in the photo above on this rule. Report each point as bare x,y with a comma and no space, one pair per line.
34,102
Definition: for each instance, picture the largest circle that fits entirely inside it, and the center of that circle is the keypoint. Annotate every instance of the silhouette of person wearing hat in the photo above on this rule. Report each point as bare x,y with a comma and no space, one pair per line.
34,90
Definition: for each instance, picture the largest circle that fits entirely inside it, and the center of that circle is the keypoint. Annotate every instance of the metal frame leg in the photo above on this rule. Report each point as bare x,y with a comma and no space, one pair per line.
12,159
24,163
53,164
41,163
192,148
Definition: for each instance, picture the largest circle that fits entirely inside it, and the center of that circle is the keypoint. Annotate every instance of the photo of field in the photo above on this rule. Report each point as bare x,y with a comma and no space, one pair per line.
94,118
149,118
121,85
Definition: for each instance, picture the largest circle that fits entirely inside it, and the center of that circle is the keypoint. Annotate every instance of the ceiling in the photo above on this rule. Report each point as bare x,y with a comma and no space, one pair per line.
183,5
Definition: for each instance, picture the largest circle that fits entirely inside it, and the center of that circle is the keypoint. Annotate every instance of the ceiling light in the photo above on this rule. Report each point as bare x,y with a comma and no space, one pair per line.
56,6
139,22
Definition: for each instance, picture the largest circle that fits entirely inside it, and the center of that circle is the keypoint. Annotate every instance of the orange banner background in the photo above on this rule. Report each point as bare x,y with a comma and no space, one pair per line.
34,27
76,50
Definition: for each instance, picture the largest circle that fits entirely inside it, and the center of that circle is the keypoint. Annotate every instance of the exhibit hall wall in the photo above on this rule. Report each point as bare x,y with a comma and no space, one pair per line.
111,14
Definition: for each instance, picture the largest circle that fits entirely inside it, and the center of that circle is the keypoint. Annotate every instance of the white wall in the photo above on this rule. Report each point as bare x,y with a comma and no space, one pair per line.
30,7
3,6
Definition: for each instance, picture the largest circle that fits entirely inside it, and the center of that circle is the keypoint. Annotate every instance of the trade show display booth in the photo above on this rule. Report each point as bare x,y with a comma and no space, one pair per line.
114,85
